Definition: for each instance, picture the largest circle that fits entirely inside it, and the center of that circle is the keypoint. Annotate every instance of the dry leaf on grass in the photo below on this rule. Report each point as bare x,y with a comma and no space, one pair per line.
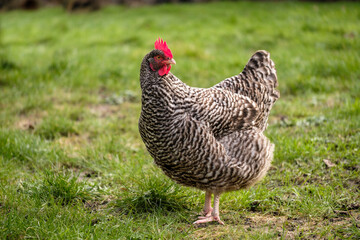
329,163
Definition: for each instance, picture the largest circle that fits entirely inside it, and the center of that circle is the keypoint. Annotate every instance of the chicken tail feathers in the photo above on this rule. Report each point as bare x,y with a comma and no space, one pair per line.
258,81
264,67
261,69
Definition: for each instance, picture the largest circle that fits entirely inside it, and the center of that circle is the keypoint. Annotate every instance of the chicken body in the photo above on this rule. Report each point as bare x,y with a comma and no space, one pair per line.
211,139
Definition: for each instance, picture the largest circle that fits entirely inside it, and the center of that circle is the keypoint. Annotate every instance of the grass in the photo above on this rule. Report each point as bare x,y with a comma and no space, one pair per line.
72,164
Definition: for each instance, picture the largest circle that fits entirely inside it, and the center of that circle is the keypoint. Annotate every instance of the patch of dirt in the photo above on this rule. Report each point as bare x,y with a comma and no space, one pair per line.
73,141
260,220
95,206
352,183
81,172
26,124
352,167
29,122
282,226
306,179
106,110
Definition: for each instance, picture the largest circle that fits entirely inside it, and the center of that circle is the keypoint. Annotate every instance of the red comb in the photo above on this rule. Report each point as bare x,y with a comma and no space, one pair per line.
161,45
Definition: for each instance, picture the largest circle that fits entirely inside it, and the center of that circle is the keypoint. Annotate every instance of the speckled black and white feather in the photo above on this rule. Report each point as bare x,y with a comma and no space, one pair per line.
211,139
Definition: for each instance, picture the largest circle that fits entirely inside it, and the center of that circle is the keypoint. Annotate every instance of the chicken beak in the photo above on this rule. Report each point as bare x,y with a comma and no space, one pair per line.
170,61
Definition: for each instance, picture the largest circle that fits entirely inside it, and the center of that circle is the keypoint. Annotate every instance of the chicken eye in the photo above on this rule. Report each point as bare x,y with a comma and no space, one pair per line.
158,57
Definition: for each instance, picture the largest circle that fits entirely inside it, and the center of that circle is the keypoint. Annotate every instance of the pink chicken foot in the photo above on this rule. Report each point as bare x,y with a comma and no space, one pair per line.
210,214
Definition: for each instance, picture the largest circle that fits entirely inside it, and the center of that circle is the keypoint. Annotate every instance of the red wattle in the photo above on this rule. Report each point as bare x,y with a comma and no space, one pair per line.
164,70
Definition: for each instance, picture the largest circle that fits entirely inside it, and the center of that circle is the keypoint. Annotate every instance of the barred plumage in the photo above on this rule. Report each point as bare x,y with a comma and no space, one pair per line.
211,139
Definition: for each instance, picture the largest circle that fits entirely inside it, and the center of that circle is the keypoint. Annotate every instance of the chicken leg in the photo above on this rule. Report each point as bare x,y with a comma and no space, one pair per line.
207,208
215,211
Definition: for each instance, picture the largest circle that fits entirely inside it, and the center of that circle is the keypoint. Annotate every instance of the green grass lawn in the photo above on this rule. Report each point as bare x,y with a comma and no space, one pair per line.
73,166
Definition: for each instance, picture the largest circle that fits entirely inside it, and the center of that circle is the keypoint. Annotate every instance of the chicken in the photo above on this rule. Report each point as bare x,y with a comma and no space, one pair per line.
208,138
